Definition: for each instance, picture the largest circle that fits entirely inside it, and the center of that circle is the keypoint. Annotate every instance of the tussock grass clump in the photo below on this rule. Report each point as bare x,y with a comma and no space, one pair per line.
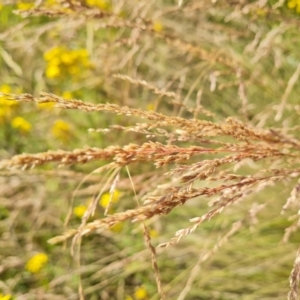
191,116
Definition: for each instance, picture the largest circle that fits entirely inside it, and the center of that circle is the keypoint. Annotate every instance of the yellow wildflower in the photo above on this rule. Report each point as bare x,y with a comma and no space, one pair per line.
5,297
102,4
157,26
46,105
51,2
83,53
24,5
294,4
36,263
68,58
3,100
79,210
140,293
67,95
5,88
107,197
52,54
52,71
21,124
62,61
5,104
128,298
61,130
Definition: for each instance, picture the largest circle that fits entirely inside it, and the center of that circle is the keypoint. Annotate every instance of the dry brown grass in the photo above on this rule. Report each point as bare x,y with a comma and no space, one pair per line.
267,147
190,151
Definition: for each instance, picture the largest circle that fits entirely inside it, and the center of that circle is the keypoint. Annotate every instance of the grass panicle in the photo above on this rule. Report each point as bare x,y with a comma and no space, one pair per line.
124,122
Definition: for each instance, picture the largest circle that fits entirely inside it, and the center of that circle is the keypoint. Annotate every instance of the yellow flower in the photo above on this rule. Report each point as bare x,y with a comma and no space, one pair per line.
62,61
5,297
294,4
51,2
36,263
61,130
21,124
46,105
52,71
5,88
24,5
52,53
107,197
140,293
102,4
68,58
3,100
5,104
157,26
82,53
67,95
79,210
